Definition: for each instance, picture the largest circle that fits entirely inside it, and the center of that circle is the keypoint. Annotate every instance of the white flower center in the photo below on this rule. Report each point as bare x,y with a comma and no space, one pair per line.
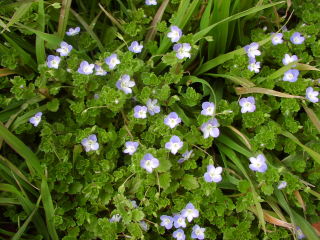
296,39
148,163
179,235
172,121
198,232
90,143
142,113
210,110
247,105
180,220
290,75
123,84
167,221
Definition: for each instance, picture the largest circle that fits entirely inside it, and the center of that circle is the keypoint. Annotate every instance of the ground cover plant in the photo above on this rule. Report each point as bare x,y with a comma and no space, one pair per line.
159,119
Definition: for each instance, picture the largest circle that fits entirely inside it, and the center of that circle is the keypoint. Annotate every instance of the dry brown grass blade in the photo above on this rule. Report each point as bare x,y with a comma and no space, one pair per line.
300,200
243,90
5,72
313,117
242,136
157,18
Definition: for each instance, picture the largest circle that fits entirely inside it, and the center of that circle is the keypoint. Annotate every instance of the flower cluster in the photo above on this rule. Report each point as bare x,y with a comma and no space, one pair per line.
252,51
179,222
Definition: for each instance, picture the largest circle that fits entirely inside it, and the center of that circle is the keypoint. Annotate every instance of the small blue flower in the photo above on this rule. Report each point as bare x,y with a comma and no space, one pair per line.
175,34
253,65
282,185
174,144
112,61
197,232
300,234
179,221
210,128
277,39
135,47
151,2
312,95
149,162
90,143
296,38
252,50
64,49
99,70
179,234
213,174
36,119
291,75
185,156
190,212
125,84
166,221
208,109
73,31
289,59
131,147
172,120
182,50
247,104
144,226
115,218
152,106
140,111
53,61
85,68
258,164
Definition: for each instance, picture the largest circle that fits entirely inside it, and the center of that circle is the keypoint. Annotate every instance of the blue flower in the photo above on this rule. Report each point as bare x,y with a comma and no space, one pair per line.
179,234
36,119
144,225
208,109
300,234
175,34
289,59
112,61
172,120
115,218
296,38
64,49
198,232
210,128
312,95
277,39
131,147
85,68
253,65
213,174
282,185
125,84
182,50
258,164
190,212
135,47
185,156
90,143
179,221
149,162
151,2
53,61
247,104
140,111
73,31
166,221
174,144
99,70
152,106
252,50
291,75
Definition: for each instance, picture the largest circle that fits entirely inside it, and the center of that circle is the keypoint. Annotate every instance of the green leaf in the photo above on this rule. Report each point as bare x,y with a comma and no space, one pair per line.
19,13
53,105
189,182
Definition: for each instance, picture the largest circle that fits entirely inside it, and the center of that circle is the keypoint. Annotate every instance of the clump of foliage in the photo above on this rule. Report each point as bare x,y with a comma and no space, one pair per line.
128,116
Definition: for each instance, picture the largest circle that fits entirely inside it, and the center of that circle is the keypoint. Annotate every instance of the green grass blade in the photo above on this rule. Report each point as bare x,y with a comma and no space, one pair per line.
312,116
9,201
24,226
19,13
40,51
233,145
238,80
205,31
48,208
223,58
312,153
17,145
63,18
88,29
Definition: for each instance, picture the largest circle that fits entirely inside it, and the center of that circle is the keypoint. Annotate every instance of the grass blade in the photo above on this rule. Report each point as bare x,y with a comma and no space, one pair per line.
40,51
19,13
48,208
63,18
238,80
312,116
245,90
